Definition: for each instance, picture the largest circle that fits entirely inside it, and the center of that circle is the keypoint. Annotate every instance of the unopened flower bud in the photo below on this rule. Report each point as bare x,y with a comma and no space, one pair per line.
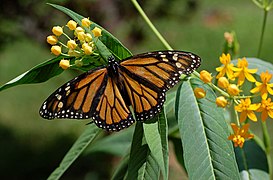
81,36
96,31
78,29
56,50
223,83
88,37
87,49
64,64
71,44
86,22
233,89
52,39
57,30
221,101
72,25
199,93
205,76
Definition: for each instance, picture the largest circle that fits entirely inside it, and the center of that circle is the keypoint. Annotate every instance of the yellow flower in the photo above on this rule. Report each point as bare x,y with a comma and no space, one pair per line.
52,39
266,108
240,135
246,109
221,101
64,64
264,87
96,31
199,93
243,72
71,44
223,82
86,22
205,76
87,49
227,69
56,50
57,30
233,90
72,25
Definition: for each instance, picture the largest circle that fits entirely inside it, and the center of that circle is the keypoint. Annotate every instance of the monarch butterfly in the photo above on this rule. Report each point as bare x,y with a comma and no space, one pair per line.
105,93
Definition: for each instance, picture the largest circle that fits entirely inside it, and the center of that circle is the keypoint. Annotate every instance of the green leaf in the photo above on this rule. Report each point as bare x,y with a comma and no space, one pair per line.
169,109
107,39
142,165
37,74
207,152
252,161
156,132
82,142
178,149
116,143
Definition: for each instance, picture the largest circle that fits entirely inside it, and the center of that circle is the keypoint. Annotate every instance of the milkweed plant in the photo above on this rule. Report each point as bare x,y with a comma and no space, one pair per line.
208,117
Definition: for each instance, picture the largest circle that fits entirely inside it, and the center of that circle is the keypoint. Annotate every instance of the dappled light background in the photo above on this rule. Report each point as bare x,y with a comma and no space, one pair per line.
32,147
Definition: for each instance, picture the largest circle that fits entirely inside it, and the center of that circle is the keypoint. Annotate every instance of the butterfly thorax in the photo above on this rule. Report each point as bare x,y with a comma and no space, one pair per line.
113,73
112,68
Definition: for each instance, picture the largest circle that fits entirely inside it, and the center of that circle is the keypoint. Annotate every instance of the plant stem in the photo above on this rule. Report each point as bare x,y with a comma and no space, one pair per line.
262,33
267,144
150,24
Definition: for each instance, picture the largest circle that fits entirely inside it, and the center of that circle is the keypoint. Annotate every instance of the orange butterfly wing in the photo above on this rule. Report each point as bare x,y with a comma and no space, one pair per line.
148,76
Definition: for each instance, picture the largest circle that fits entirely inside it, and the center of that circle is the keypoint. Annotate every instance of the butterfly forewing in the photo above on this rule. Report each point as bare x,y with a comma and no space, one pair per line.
76,98
148,76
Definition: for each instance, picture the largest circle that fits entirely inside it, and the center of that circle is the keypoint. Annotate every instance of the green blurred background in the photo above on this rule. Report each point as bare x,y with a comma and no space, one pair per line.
32,147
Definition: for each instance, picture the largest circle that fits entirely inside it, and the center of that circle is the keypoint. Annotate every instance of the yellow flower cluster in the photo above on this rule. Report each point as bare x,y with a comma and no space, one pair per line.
80,45
230,81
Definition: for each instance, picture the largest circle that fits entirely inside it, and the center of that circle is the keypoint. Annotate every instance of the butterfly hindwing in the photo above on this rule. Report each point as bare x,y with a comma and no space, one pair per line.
112,113
148,76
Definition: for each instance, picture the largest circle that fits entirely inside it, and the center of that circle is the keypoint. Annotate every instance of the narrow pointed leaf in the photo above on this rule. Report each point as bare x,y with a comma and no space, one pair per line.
155,131
82,142
116,143
142,165
207,152
37,74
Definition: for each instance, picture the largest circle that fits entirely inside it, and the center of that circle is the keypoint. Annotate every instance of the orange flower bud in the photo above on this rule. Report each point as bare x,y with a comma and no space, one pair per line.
96,31
205,76
71,44
86,22
233,89
56,50
223,83
57,30
199,93
87,49
64,64
221,101
72,25
52,39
